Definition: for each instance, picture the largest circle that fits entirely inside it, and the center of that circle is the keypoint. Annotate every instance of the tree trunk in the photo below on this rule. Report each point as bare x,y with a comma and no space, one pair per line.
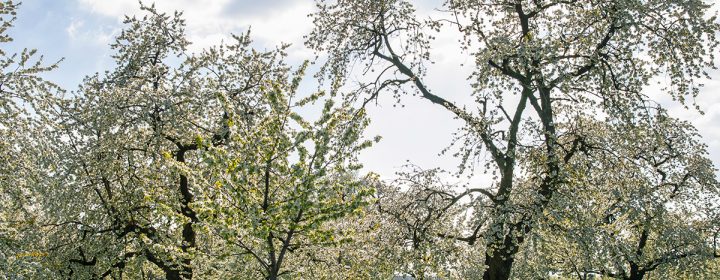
188,233
498,266
172,275
635,272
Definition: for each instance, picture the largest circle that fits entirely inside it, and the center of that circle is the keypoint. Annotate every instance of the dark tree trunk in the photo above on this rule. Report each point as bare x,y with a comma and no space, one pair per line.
172,275
635,272
498,266
188,233
639,275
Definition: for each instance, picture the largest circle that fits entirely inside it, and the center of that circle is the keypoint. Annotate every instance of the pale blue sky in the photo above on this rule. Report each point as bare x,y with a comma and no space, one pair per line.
80,30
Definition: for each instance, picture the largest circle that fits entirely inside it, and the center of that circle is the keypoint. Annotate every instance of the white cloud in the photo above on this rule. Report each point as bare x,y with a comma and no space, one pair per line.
72,29
81,33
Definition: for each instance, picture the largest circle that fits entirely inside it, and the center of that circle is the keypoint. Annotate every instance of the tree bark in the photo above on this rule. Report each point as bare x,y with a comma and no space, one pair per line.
498,266
188,233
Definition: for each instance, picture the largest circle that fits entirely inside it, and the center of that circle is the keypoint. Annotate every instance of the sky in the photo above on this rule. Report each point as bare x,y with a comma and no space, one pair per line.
79,33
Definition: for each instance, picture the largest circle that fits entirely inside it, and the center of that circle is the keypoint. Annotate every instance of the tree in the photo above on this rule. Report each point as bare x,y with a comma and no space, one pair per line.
547,60
173,162
24,95
642,200
129,205
281,180
424,221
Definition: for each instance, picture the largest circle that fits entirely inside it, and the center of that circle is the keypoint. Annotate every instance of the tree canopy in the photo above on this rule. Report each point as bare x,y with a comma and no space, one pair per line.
207,165
539,67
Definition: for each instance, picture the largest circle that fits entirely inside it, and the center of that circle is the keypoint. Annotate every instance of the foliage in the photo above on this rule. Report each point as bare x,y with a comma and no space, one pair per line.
23,148
173,164
642,201
206,165
279,182
548,60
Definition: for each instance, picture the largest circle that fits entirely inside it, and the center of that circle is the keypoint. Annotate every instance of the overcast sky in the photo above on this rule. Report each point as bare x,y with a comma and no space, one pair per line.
80,30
